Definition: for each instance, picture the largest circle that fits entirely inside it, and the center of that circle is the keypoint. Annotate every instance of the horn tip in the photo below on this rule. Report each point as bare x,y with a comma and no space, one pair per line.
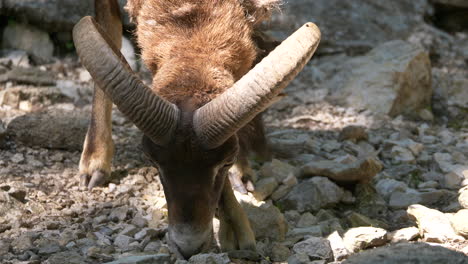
314,28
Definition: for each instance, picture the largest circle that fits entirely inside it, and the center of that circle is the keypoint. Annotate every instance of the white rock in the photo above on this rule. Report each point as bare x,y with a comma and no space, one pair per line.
338,246
369,82
359,238
404,234
460,222
433,225
463,197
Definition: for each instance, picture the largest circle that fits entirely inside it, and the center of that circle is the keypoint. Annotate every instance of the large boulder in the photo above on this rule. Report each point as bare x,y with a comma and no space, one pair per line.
394,78
28,38
55,129
405,253
51,15
351,25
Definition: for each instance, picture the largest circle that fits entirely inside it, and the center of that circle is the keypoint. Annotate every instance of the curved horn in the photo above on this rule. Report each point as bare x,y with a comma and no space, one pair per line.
216,121
154,116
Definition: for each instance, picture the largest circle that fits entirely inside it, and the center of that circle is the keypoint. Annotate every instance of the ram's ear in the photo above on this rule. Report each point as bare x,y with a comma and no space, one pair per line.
260,10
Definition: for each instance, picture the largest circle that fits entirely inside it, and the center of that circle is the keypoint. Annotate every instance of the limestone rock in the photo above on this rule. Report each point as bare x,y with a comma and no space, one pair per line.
433,225
359,238
312,194
277,169
30,39
394,78
338,246
316,248
460,222
361,170
357,35
210,258
266,219
405,253
143,259
404,234
55,129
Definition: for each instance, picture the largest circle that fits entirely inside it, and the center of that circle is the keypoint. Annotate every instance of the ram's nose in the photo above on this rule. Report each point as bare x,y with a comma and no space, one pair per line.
189,241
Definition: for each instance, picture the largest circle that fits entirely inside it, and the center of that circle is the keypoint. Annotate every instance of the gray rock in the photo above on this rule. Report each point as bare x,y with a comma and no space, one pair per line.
30,39
356,220
357,35
123,242
401,200
386,187
152,246
31,76
119,214
454,3
265,219
277,169
301,232
144,259
210,258
4,247
353,133
23,242
56,129
359,238
52,15
264,188
394,78
460,222
311,195
316,248
280,192
361,170
3,133
405,253
71,257
433,225
307,219
455,176
279,253
451,87
402,155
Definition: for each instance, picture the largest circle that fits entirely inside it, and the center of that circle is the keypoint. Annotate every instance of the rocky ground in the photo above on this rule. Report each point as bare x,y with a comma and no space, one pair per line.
370,146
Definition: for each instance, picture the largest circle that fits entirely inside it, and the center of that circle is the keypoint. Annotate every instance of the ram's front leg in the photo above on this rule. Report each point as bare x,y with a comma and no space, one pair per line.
98,148
235,231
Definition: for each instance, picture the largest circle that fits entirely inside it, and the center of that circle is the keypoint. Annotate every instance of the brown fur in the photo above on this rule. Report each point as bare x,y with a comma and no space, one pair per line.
197,48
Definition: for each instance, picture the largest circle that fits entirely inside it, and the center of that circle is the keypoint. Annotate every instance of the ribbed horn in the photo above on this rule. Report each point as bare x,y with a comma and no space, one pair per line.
154,116
216,121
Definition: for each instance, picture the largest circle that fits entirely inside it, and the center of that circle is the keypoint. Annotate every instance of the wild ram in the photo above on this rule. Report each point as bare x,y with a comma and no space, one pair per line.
200,115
